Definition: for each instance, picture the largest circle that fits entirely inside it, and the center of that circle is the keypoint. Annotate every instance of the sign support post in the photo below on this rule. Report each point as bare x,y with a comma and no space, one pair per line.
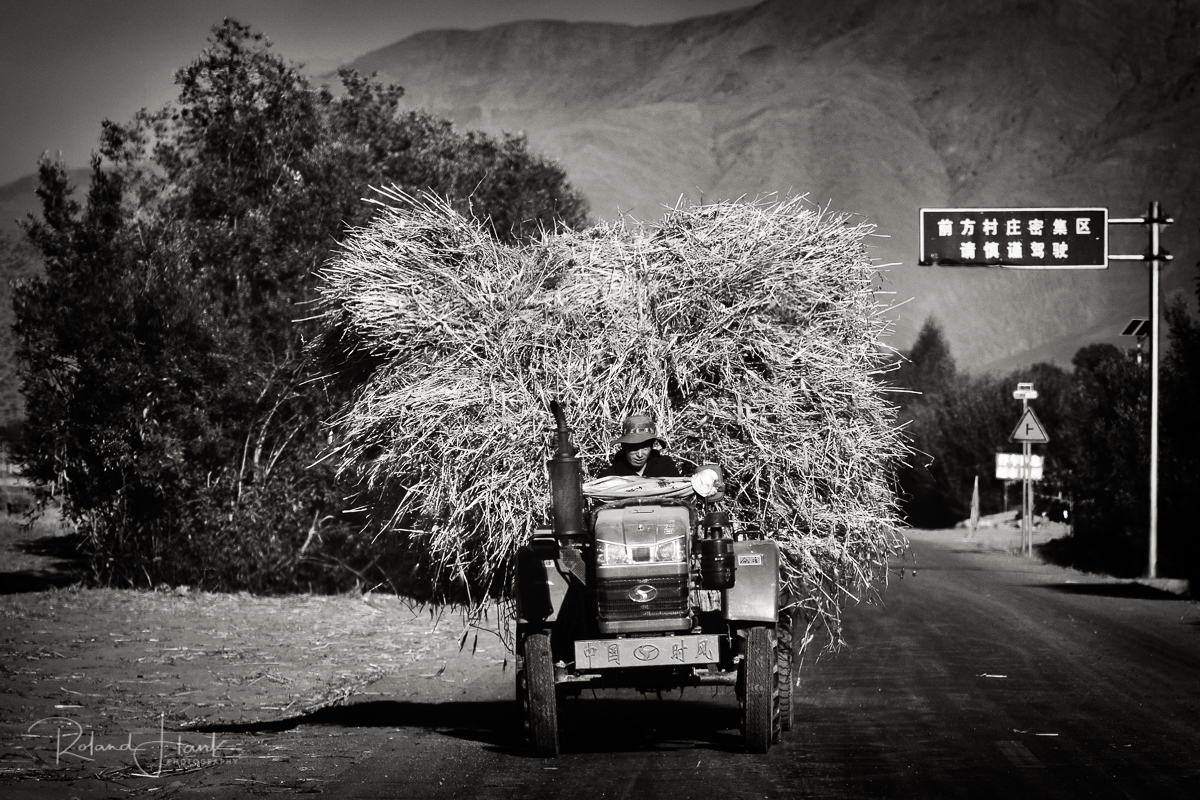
1028,431
1027,505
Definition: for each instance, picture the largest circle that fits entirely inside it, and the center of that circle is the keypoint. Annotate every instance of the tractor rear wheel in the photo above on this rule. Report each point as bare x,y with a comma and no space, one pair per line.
541,706
785,647
760,708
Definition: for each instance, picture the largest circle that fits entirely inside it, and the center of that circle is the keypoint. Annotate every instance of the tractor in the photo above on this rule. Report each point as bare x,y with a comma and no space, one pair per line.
642,583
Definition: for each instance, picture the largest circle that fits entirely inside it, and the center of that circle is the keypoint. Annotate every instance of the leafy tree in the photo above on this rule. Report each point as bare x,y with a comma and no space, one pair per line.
965,425
169,401
1098,418
929,367
18,260
1109,460
928,375
923,378
959,422
1179,436
1090,358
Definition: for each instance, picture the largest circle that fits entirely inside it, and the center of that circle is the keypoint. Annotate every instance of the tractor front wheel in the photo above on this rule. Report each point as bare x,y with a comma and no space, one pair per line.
541,706
760,706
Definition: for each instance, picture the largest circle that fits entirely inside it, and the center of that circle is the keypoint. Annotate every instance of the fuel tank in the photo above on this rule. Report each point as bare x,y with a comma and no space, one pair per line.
755,593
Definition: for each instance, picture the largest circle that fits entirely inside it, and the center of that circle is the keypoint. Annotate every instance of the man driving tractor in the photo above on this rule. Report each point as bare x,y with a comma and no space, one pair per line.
640,454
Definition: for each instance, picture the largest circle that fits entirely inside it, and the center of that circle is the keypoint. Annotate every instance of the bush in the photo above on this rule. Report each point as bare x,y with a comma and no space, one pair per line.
168,397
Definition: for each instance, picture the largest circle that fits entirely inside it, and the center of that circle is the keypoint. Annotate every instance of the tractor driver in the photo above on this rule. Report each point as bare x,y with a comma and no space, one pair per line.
640,454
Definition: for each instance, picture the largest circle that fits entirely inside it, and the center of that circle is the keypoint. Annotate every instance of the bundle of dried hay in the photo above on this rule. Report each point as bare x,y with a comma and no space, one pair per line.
750,331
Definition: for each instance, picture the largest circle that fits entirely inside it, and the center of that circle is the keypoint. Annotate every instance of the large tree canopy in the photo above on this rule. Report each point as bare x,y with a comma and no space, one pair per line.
162,357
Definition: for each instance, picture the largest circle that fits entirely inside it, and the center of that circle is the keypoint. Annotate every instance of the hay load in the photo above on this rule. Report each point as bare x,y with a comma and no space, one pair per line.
750,331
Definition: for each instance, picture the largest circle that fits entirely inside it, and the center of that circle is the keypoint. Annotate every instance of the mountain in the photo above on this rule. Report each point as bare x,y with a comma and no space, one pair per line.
879,107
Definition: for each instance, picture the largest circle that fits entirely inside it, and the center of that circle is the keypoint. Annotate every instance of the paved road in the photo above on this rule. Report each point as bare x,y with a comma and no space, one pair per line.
984,676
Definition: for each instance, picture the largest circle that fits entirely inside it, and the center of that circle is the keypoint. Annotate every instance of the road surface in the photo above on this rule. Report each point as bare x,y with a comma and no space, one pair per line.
982,676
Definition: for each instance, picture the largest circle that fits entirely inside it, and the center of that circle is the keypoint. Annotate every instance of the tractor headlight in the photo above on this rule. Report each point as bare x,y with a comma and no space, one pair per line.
610,553
669,551
709,482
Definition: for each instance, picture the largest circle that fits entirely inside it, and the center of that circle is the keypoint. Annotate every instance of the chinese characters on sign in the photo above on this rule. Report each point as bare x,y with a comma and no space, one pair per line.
1020,238
647,651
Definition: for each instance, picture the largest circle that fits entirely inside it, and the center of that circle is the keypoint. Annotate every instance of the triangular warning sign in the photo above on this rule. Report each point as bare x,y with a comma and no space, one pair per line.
1029,429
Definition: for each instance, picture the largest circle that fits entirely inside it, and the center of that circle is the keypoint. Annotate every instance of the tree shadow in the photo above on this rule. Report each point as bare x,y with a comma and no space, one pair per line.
586,724
1129,591
66,568
30,580
1110,555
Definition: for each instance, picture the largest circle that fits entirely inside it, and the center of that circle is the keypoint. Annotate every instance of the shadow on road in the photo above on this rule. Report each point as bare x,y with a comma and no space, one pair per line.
482,715
1134,591
587,725
610,724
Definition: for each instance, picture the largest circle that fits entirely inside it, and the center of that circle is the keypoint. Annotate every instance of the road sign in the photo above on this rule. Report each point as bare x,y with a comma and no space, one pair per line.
1029,430
1025,391
1011,467
1018,238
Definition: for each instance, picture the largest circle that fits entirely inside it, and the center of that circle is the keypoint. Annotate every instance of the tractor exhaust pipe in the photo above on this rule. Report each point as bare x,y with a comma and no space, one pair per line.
566,482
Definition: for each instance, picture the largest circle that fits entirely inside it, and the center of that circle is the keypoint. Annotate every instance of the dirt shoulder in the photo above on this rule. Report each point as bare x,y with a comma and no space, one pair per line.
107,693
114,693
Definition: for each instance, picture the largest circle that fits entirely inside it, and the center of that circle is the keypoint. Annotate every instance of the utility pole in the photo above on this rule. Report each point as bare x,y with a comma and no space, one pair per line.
1157,257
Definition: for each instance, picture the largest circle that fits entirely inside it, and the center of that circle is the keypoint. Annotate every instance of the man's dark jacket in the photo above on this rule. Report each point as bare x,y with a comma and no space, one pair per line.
657,466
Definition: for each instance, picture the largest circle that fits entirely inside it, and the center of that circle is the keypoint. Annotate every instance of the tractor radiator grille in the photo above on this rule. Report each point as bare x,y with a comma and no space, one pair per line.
615,603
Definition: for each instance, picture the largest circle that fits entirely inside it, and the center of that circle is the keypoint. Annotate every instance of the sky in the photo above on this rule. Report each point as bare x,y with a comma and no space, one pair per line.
66,65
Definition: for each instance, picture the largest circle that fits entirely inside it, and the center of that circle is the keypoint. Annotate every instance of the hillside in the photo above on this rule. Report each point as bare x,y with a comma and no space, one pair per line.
870,106
875,107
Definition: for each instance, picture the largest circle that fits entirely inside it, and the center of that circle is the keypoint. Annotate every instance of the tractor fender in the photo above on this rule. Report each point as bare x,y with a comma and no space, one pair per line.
542,586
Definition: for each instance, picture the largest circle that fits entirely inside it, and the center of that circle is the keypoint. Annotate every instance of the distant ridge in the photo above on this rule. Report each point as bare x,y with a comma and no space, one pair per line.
873,106
880,106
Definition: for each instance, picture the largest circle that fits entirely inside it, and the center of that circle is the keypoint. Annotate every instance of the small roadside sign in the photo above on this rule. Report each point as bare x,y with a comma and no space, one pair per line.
1029,430
1017,238
1011,467
1025,391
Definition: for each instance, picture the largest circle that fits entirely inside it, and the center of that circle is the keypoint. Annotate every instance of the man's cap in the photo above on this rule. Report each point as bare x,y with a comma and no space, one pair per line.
638,428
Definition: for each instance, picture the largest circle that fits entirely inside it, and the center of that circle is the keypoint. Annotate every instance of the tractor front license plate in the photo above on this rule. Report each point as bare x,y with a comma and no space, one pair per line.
648,651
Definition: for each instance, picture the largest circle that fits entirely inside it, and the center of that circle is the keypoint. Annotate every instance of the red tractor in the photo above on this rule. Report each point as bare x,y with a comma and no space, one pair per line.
646,587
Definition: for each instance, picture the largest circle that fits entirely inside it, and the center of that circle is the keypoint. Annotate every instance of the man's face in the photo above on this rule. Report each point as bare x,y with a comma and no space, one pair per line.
638,453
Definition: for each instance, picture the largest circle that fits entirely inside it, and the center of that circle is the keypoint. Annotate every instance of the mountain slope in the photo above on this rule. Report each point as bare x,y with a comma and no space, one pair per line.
875,107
